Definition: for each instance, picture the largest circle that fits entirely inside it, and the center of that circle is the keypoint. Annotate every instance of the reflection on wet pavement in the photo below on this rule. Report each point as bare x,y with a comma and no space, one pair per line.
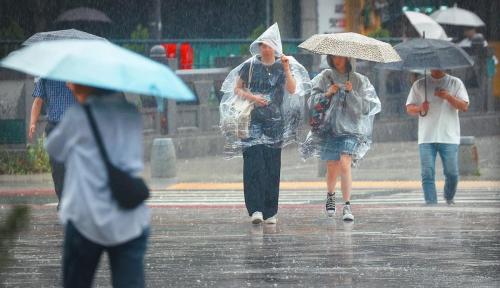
396,244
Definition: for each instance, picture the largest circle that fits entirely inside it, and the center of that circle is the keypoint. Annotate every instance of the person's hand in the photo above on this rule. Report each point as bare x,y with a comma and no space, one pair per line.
334,88
32,131
442,93
424,107
348,86
259,100
286,63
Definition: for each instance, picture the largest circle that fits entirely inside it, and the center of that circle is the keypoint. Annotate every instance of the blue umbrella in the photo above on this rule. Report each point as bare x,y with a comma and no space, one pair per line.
99,64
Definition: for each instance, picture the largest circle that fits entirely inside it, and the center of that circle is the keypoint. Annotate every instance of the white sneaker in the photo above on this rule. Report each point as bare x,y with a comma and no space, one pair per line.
347,213
257,217
271,220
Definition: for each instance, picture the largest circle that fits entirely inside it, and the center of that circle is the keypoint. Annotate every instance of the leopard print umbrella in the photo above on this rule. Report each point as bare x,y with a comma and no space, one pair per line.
351,45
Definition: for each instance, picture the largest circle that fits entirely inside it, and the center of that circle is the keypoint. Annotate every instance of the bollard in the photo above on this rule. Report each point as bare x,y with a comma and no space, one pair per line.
468,157
173,63
163,158
158,54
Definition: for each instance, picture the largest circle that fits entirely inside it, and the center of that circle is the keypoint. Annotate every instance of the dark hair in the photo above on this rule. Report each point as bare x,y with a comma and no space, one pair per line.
329,60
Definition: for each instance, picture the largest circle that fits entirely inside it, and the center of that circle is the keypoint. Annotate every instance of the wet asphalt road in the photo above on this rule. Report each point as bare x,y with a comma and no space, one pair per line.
395,241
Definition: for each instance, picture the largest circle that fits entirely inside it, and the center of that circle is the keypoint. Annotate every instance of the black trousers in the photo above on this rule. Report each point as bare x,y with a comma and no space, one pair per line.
261,179
56,167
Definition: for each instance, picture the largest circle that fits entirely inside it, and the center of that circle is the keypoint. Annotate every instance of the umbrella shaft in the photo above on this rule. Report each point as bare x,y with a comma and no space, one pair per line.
425,84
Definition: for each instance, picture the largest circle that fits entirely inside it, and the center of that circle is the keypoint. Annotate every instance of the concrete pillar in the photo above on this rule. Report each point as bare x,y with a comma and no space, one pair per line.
468,157
283,14
158,54
308,18
381,78
163,158
481,53
203,89
490,103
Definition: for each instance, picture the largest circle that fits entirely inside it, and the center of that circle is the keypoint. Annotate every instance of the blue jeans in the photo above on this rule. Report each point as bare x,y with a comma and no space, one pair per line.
81,257
449,158
334,146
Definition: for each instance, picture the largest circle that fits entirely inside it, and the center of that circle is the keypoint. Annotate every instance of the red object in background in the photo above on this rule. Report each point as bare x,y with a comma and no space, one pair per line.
186,56
341,23
170,49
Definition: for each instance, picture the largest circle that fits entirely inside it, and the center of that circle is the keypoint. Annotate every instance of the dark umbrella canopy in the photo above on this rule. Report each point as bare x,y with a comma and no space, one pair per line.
83,14
61,35
425,54
420,54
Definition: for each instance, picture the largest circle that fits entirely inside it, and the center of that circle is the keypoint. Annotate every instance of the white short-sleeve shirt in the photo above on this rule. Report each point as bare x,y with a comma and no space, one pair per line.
441,124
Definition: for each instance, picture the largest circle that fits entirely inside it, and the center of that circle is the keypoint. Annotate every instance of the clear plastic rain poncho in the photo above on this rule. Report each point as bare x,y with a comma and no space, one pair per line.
345,114
277,123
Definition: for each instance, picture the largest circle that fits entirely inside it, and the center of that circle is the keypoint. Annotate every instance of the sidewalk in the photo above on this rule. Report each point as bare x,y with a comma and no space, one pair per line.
391,161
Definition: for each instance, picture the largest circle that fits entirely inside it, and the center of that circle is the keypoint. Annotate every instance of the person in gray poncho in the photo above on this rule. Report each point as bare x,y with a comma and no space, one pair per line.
342,107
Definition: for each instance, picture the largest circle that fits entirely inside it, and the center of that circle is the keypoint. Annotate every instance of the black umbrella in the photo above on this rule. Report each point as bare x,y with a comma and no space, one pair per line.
433,54
61,35
83,14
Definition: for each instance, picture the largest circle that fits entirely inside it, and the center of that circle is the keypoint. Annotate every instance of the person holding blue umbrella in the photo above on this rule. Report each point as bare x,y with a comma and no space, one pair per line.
102,131
94,222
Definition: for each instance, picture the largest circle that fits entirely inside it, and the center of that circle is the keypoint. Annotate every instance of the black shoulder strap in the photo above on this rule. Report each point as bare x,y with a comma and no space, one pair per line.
97,135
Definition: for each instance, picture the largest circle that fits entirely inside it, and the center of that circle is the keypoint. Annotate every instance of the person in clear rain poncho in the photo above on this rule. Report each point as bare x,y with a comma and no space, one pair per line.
261,110
342,108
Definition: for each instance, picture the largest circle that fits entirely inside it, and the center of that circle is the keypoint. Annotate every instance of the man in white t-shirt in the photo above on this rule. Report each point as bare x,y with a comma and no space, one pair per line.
439,130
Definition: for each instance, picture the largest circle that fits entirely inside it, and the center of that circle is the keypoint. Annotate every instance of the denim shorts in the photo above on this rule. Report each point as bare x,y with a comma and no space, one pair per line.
333,147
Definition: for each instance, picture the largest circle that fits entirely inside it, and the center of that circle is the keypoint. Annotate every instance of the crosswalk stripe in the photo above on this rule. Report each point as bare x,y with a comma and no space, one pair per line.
290,197
321,185
295,197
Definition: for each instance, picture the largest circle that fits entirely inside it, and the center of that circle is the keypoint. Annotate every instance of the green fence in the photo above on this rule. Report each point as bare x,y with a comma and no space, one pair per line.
206,53
206,50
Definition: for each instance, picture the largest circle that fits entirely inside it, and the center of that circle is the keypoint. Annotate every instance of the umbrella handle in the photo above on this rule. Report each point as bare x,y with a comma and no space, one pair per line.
424,113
